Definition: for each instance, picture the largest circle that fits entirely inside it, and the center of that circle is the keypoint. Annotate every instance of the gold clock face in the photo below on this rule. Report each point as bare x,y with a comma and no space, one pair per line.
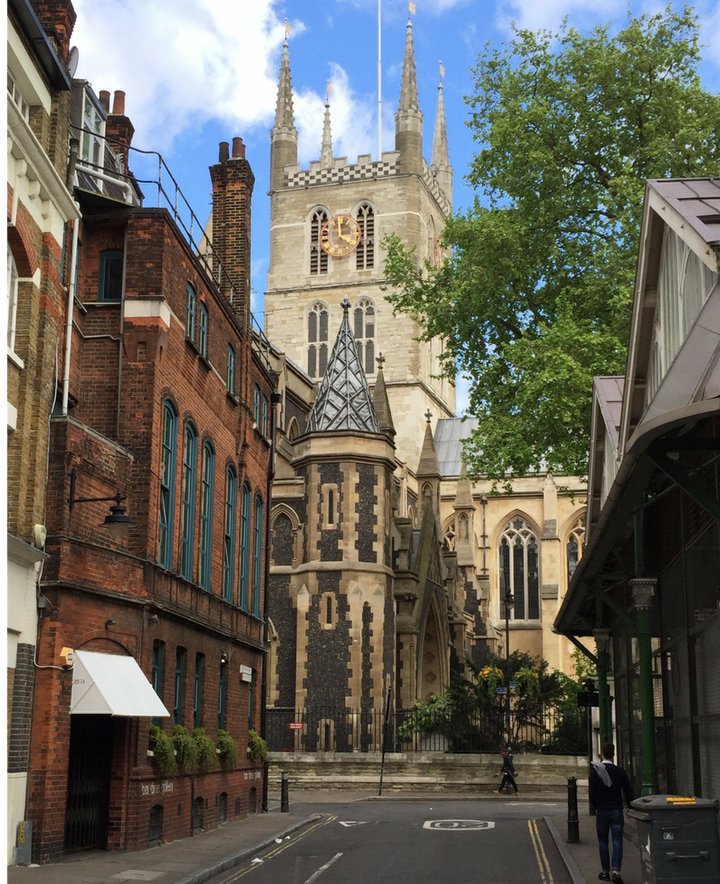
340,235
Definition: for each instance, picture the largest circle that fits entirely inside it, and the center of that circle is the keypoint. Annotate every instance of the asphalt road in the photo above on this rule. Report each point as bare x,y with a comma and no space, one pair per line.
448,842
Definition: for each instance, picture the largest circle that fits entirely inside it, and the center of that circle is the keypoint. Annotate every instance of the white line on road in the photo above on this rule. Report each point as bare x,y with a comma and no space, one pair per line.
319,872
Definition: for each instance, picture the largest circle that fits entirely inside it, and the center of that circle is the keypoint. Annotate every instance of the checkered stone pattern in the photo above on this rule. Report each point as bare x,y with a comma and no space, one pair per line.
358,172
435,190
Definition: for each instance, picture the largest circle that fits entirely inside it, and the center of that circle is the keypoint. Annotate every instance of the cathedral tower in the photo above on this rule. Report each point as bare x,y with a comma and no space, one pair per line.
327,225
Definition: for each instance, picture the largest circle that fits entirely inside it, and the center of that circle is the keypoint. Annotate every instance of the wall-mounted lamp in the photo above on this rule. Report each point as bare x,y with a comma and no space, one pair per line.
223,658
109,623
118,522
153,618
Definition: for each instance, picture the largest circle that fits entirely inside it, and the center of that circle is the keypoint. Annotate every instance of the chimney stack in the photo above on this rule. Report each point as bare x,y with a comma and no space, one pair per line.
57,18
105,100
119,128
238,149
224,155
119,103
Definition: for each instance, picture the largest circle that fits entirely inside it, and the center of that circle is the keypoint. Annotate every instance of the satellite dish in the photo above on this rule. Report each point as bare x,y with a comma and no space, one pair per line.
73,59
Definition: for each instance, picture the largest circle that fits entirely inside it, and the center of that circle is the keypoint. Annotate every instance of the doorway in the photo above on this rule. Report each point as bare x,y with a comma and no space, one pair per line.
87,809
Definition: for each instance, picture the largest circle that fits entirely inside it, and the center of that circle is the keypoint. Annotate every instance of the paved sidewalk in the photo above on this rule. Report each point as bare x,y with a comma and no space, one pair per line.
188,861
582,860
197,859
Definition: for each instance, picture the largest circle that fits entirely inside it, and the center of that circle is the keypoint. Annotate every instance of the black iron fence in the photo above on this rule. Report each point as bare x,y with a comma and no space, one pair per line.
332,729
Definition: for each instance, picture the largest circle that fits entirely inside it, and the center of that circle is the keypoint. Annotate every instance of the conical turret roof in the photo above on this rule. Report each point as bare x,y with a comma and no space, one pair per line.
381,402
284,117
344,401
428,465
326,154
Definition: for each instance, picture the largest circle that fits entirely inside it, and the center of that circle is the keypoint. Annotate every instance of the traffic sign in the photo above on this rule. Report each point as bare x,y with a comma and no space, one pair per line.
502,690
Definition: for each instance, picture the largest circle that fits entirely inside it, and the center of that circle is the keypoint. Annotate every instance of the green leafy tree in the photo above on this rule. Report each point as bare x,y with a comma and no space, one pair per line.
535,296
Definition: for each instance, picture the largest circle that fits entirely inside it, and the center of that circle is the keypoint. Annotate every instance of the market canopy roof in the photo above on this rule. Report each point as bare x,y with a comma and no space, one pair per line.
106,684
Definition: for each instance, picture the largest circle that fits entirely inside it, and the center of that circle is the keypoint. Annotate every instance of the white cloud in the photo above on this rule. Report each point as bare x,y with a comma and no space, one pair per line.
185,63
549,14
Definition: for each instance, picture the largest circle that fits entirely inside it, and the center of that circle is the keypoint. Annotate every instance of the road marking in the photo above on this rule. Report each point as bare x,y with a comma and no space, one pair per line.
540,856
323,868
347,823
278,850
458,825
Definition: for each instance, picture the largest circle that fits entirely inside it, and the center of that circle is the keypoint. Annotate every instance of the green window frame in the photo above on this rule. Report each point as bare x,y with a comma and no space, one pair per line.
167,485
229,542
110,275
257,563
198,693
245,514
206,516
191,312
203,323
180,655
188,503
222,695
230,379
156,674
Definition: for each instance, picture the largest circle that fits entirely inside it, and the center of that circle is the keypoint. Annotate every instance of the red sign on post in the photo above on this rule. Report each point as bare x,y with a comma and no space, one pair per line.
295,726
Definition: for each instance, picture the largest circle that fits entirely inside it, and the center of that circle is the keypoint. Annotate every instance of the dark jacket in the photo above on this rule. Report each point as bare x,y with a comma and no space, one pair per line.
610,797
508,765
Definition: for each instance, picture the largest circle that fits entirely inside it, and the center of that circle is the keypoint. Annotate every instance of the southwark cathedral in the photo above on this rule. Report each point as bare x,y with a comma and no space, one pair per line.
388,566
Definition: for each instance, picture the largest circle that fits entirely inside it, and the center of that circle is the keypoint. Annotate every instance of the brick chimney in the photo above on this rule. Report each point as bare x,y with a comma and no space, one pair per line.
57,18
233,182
118,127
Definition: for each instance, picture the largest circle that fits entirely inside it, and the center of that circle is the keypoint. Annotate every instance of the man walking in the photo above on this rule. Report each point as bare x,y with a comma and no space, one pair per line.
509,773
606,786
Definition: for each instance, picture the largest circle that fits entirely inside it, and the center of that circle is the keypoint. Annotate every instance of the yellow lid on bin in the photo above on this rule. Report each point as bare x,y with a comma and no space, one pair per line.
677,799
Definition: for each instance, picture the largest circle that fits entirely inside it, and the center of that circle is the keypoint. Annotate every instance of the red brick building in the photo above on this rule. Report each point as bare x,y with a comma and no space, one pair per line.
163,408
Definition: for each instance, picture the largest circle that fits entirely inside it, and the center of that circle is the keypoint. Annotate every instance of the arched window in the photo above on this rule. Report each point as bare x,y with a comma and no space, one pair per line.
167,485
188,502
12,296
519,569
206,515
318,322
190,313
203,330
197,696
229,544
318,257
449,534
292,430
257,554
365,252
245,546
364,332
574,546
282,540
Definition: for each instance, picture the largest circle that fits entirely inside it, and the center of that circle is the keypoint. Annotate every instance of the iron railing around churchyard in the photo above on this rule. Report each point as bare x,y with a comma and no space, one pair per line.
332,729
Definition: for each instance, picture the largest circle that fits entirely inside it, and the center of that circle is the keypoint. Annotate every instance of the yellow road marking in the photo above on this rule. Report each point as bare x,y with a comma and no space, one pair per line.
279,849
543,864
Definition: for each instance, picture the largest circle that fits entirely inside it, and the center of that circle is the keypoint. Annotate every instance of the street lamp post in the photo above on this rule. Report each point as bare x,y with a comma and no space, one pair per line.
508,601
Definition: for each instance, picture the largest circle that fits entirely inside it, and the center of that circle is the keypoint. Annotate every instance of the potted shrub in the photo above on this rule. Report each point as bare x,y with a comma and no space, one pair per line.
205,749
163,752
185,748
257,749
227,749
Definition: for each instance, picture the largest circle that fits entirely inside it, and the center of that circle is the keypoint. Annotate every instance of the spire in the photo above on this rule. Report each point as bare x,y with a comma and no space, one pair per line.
408,84
284,117
380,400
440,164
463,495
409,119
344,401
428,465
284,135
326,154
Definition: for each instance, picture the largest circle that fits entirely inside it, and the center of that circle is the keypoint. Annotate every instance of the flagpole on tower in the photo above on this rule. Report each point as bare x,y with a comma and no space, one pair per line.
379,80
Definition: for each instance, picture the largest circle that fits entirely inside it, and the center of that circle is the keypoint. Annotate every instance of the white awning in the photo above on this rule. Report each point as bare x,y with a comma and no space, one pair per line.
105,684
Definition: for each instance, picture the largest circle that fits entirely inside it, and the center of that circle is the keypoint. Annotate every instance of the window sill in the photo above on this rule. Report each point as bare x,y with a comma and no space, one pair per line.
233,398
203,360
14,358
191,344
524,624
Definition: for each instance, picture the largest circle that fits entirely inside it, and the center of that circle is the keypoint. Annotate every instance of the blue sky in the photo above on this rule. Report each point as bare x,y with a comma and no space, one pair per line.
197,72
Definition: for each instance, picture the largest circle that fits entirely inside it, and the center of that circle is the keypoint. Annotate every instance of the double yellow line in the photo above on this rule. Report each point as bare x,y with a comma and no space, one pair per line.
279,849
545,871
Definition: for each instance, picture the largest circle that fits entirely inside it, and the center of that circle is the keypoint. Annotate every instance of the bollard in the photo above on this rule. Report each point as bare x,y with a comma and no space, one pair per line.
573,835
285,803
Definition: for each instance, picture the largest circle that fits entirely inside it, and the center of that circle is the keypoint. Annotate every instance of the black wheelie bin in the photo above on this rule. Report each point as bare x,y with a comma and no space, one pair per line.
678,839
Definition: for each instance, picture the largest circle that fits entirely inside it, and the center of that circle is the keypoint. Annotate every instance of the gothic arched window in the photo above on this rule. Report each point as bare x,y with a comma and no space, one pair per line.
318,257
317,335
449,534
519,569
365,252
364,332
574,546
